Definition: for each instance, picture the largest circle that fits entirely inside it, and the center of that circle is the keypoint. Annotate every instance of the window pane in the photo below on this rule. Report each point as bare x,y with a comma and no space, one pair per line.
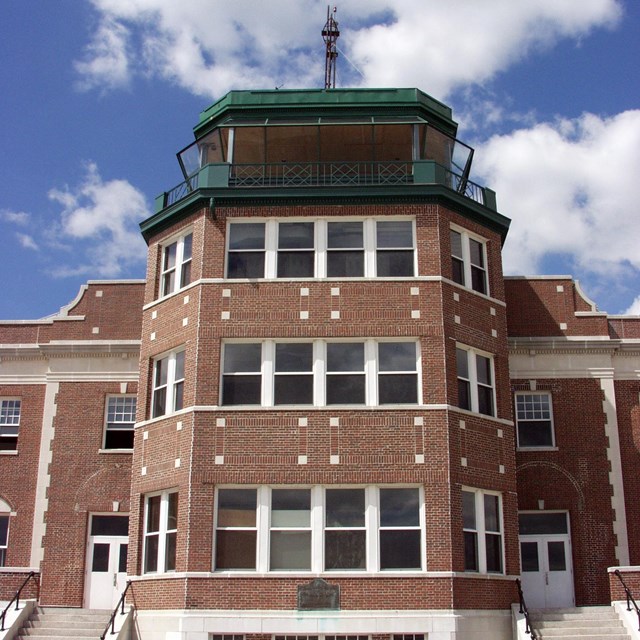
457,271
153,514
345,264
170,552
483,368
151,553
235,549
491,513
119,439
100,560
345,549
122,558
462,363
295,235
4,529
535,434
345,507
400,549
110,525
399,507
172,513
470,551
345,356
290,508
456,244
529,556
241,390
397,356
161,372
345,235
237,507
542,523
464,395
294,357
468,510
494,553
476,253
293,389
178,396
394,234
478,280
246,265
295,264
159,402
394,264
398,389
186,247
179,375
290,550
242,358
246,236
557,559
170,256
485,400
345,389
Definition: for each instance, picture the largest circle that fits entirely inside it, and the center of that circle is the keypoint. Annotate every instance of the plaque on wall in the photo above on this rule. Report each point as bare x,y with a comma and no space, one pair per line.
318,594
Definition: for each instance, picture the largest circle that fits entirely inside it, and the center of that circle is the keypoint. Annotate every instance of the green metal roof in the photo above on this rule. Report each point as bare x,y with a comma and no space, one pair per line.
317,103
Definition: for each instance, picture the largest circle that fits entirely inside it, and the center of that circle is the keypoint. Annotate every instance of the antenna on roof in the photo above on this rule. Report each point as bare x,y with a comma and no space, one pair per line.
330,35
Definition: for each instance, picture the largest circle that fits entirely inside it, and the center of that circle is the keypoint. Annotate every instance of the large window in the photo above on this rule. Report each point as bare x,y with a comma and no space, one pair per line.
321,248
319,529
475,381
176,265
468,261
320,373
534,419
4,537
9,423
120,418
168,384
160,532
482,527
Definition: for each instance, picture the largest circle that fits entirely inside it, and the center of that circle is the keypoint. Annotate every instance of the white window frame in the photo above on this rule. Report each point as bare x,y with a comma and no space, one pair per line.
520,420
317,525
474,383
465,258
115,397
172,384
9,421
182,264
321,234
5,512
481,531
371,371
163,531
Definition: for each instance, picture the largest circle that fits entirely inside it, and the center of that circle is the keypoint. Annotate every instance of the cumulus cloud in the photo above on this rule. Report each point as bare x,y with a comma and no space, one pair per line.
15,217
210,46
27,241
100,220
570,188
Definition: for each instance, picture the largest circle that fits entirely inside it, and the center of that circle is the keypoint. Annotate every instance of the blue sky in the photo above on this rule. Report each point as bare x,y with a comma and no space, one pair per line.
99,95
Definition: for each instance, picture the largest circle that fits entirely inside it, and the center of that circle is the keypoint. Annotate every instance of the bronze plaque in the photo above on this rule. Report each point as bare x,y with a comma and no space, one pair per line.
318,594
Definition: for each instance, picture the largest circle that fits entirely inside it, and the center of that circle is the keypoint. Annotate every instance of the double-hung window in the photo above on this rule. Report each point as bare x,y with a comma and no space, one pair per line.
319,529
176,264
475,381
534,419
468,261
160,532
482,529
120,418
4,537
321,248
320,373
168,384
9,423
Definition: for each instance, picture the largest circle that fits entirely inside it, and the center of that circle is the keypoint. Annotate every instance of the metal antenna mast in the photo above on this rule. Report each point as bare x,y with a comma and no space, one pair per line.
330,35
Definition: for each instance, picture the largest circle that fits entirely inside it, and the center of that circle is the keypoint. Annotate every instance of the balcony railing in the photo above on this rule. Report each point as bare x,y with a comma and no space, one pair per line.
326,174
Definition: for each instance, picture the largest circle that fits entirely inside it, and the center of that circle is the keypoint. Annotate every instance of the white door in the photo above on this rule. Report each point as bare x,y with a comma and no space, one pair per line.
547,573
106,565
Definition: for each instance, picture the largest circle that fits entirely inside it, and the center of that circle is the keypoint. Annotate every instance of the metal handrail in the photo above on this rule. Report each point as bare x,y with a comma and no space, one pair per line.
523,609
16,598
629,595
112,619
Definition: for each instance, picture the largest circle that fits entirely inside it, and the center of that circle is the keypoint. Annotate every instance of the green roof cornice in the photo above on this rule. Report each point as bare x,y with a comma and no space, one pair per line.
316,103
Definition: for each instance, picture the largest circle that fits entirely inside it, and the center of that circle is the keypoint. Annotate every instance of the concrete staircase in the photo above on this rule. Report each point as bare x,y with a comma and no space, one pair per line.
582,623
56,623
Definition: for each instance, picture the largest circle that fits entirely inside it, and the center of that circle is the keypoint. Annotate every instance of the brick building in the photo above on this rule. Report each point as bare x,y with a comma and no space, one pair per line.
347,420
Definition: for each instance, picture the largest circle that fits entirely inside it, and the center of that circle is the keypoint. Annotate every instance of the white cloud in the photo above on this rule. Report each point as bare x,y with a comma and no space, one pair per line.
101,219
210,46
15,217
570,188
27,241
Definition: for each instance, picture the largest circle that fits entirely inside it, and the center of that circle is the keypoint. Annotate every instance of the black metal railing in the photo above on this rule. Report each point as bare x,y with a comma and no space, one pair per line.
112,619
16,598
328,174
523,610
630,599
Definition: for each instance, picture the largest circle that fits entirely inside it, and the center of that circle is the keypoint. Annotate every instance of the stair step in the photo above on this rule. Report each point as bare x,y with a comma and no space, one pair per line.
58,623
579,622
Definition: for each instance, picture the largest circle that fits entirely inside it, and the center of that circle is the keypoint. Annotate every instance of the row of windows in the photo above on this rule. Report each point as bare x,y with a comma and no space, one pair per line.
321,373
318,529
325,248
